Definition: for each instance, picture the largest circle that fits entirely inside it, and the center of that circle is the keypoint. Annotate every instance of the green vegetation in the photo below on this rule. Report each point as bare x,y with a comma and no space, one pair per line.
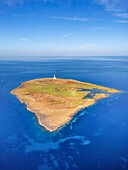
56,89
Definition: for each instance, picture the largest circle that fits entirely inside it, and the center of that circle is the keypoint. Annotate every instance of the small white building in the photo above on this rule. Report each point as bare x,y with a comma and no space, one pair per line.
54,77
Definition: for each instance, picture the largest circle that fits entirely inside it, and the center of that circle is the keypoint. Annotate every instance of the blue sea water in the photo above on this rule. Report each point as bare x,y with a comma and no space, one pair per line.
95,139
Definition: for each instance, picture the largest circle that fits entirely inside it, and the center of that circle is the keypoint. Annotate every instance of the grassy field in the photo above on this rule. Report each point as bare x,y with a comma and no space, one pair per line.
63,89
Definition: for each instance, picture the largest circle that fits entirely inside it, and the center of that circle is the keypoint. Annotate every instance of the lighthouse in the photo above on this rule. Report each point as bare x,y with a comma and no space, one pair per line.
54,77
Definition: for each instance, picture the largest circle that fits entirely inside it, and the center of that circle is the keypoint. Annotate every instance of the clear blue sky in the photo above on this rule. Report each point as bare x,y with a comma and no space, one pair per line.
63,27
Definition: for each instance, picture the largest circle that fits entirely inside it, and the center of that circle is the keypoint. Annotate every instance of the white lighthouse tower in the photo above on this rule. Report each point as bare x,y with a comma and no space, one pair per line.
54,77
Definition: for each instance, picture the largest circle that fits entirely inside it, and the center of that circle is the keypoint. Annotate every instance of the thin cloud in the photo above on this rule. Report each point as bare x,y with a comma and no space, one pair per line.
12,2
121,15
70,18
95,28
66,35
114,5
118,8
122,21
67,3
23,39
88,46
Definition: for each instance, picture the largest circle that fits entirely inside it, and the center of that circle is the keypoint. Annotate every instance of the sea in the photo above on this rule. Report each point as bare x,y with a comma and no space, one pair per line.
95,139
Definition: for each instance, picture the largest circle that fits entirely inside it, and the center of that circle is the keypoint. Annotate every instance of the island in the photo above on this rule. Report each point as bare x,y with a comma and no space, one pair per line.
55,101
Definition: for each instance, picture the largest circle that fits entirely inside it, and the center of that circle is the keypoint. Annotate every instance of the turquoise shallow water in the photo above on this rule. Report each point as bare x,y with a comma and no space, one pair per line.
96,138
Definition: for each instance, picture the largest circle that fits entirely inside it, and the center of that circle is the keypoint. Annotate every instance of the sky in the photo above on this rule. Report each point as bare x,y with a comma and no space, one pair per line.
63,28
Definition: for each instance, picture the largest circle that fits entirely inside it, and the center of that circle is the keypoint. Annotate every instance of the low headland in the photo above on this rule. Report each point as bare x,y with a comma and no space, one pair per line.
56,101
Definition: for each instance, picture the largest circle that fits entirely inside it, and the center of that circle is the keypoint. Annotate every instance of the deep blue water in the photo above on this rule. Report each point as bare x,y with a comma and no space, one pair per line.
95,139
